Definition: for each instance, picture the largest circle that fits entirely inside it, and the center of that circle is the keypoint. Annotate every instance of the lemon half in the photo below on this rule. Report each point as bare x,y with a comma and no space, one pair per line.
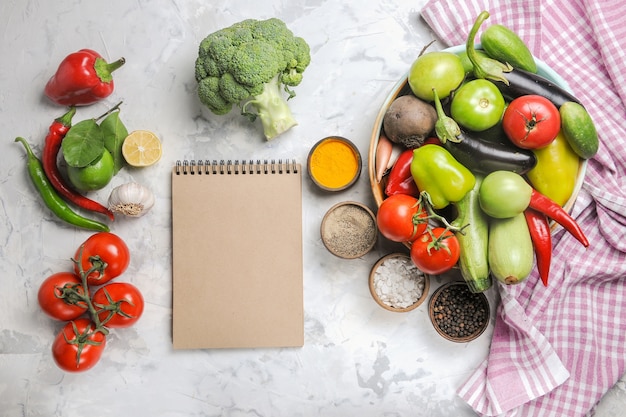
141,148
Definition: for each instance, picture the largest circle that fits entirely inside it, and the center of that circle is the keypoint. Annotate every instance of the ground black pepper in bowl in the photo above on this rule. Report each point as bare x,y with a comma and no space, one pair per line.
349,230
457,313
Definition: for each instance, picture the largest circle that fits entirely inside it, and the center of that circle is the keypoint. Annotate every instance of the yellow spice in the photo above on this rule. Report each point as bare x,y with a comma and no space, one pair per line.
333,164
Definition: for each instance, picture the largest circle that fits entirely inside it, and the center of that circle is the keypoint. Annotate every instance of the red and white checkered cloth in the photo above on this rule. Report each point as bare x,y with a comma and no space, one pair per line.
555,351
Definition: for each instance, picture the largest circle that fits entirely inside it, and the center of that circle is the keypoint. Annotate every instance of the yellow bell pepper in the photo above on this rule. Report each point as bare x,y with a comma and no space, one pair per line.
557,168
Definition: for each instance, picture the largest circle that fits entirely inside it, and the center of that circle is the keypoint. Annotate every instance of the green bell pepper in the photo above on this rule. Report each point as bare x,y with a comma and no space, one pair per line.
437,173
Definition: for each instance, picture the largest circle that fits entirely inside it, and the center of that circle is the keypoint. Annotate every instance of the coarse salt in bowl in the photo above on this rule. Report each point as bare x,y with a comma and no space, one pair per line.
396,284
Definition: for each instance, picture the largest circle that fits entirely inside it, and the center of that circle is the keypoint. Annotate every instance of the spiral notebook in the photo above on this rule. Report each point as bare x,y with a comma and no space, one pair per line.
237,254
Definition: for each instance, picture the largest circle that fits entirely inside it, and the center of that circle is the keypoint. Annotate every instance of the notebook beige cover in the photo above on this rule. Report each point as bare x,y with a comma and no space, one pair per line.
237,255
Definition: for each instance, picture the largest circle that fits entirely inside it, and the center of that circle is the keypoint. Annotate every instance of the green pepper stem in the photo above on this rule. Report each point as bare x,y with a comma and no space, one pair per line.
66,119
29,151
104,69
115,65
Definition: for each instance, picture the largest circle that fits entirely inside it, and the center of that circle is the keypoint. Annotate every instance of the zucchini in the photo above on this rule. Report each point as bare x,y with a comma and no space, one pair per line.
579,130
484,156
473,240
511,253
503,44
522,83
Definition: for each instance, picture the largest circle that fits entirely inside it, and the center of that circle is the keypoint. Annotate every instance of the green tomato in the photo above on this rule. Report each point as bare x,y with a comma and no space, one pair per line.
95,175
477,105
504,194
440,70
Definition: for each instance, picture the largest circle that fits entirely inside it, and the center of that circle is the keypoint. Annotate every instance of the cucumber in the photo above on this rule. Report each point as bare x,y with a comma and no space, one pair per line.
579,129
503,44
473,240
511,253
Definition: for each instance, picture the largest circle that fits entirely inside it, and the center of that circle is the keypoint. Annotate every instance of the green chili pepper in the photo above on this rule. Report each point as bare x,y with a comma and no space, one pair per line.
50,197
436,172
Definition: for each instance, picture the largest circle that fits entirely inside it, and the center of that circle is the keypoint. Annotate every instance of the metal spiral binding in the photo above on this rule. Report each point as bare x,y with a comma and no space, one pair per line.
236,167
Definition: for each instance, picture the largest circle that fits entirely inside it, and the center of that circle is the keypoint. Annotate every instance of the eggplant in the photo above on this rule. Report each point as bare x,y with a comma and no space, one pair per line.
523,83
484,156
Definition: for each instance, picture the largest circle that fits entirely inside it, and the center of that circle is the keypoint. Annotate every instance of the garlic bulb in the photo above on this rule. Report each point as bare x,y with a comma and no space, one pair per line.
131,199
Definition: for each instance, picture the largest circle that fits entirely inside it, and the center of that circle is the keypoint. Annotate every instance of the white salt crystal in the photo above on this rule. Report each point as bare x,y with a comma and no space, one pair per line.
398,282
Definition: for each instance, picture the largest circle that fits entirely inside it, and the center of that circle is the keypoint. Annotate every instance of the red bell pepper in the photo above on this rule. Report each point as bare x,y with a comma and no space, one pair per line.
540,234
56,132
400,179
82,78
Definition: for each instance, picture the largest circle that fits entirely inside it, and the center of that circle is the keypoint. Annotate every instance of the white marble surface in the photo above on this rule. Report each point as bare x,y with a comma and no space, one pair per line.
358,359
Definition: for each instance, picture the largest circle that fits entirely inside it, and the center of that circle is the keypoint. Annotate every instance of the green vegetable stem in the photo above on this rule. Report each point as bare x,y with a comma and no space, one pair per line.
445,127
50,197
436,172
250,64
485,67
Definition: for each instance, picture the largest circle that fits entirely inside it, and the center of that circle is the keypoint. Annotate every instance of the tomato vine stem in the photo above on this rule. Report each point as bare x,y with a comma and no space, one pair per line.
86,297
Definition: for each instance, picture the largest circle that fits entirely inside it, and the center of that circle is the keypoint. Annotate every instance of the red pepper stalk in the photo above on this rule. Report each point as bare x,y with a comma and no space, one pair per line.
400,180
557,213
57,131
541,236
82,78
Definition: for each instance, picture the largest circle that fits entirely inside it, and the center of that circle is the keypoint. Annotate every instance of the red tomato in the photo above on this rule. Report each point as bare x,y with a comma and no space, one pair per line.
438,255
107,253
119,304
401,218
60,294
77,347
531,121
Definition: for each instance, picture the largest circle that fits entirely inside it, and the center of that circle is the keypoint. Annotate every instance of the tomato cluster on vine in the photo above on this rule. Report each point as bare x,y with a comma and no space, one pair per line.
404,218
89,303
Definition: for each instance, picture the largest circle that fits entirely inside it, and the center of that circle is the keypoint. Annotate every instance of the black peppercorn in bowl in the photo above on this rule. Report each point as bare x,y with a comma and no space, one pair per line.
458,314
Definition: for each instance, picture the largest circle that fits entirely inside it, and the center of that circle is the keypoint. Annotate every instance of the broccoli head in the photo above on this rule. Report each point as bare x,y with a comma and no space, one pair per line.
252,64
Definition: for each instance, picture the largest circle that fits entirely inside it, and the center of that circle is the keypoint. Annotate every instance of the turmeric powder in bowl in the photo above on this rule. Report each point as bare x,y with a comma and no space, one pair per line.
334,163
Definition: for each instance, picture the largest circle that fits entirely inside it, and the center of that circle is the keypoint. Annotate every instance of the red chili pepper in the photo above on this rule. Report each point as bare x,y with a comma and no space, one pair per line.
400,180
82,78
57,131
557,213
539,228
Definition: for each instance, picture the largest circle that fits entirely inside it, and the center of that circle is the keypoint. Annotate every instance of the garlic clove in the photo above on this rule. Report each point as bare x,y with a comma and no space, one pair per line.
131,199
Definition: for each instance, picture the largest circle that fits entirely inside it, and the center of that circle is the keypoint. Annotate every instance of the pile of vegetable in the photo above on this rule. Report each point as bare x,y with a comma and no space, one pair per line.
90,304
489,155
94,150
250,64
